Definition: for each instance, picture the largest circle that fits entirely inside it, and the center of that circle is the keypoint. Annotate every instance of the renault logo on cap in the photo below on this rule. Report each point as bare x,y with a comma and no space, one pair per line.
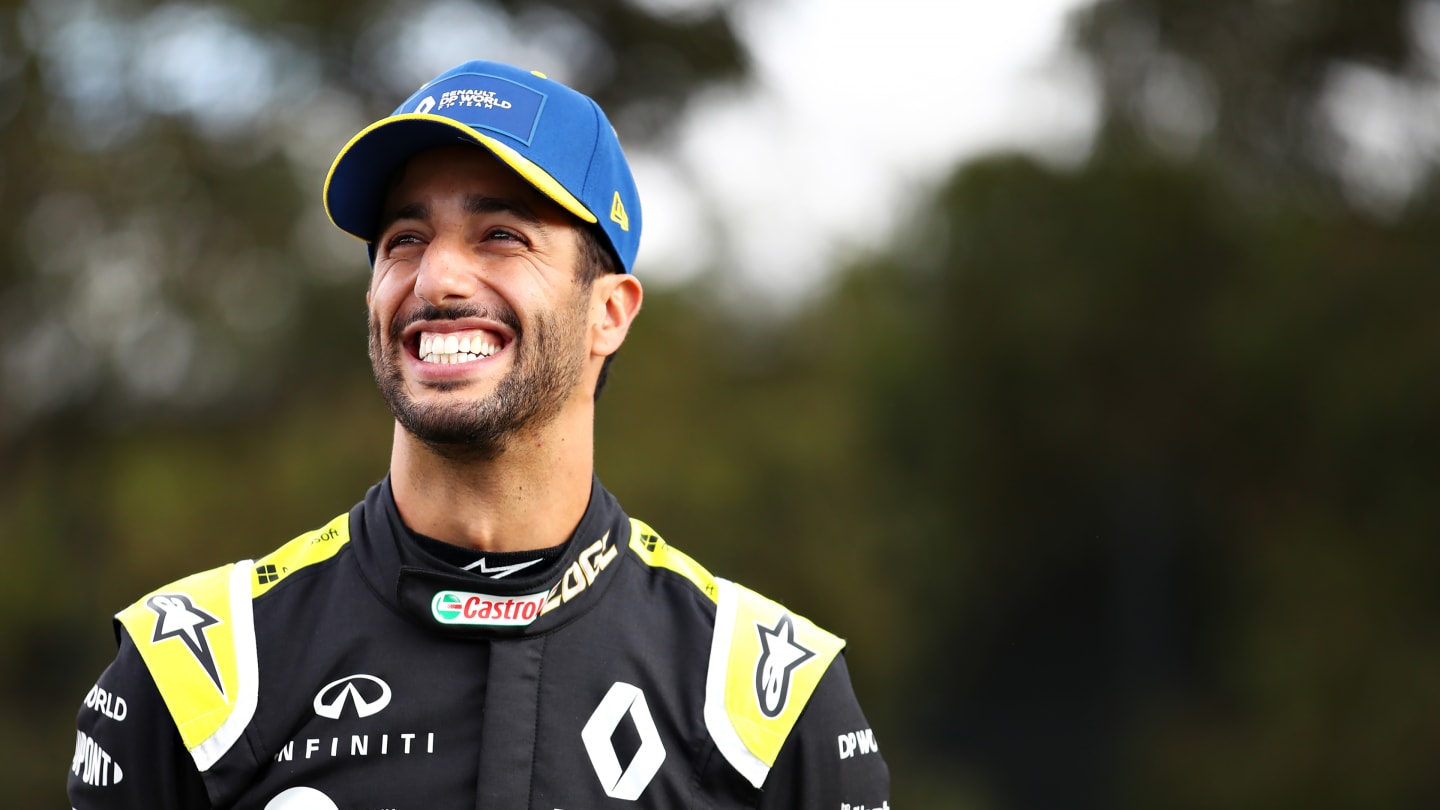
369,694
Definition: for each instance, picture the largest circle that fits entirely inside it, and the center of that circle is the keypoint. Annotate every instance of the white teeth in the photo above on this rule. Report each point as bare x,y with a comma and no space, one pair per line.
452,349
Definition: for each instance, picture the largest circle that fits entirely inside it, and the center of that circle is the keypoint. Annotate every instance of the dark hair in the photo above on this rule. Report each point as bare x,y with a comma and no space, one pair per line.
596,259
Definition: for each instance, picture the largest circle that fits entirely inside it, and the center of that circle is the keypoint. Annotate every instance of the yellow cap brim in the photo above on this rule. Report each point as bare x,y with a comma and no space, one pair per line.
355,184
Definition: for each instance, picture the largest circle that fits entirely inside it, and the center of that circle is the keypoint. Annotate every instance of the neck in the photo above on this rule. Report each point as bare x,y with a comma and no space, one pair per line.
530,495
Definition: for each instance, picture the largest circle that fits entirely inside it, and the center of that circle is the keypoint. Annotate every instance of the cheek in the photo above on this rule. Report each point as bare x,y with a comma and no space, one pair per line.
384,295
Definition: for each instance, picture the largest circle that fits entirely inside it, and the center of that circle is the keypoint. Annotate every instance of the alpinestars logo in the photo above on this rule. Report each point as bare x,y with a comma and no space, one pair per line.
499,571
180,619
780,655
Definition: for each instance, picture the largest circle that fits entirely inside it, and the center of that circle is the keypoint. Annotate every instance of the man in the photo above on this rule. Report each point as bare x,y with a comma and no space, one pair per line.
486,628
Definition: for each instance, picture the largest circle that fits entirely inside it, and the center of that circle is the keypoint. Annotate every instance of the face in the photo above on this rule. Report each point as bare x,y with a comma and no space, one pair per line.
477,324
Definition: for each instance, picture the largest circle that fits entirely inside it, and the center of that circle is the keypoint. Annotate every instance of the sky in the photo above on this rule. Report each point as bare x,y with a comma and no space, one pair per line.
859,108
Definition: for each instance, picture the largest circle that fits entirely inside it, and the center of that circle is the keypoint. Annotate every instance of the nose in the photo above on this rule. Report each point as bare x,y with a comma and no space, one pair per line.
448,272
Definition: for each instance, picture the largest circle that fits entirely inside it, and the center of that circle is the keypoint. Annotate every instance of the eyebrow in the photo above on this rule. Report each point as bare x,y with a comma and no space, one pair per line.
474,204
481,204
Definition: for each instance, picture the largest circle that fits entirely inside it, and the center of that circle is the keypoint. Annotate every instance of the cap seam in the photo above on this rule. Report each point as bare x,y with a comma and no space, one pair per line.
594,145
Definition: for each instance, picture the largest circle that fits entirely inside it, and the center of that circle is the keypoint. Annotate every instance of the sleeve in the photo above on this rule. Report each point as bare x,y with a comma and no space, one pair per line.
831,758
128,753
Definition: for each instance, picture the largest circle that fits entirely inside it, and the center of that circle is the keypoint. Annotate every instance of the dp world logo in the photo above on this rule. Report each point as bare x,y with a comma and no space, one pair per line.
367,693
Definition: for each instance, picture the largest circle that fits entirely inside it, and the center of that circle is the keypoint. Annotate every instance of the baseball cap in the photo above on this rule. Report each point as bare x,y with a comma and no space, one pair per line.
556,138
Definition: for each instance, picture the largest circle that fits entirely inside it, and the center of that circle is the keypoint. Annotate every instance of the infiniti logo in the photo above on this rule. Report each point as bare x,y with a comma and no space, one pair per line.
358,689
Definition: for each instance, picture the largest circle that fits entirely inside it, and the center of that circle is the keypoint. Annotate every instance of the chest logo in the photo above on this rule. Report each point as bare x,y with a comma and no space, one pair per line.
301,798
178,618
367,693
780,656
582,573
622,701
499,571
466,608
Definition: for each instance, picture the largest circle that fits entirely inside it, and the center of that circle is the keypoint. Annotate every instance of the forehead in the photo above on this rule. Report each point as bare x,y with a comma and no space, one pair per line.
462,171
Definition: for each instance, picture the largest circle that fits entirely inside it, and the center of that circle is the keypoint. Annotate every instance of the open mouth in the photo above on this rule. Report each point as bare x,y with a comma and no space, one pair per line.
450,348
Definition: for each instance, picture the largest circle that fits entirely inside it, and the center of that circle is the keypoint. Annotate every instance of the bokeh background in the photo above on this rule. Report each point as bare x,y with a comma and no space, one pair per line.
1110,446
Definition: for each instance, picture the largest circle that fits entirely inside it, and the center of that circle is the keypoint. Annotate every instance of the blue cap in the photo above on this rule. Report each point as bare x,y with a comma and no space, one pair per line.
556,138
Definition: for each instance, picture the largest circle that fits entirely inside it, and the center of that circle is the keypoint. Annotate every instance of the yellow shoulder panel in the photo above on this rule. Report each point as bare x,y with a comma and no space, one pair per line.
765,663
197,638
307,549
656,553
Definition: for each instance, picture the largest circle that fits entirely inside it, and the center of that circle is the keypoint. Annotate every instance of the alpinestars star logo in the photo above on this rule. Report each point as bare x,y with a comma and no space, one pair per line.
180,619
499,571
780,655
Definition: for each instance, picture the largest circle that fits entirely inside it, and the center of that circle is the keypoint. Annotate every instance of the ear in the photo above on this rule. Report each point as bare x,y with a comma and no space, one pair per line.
614,303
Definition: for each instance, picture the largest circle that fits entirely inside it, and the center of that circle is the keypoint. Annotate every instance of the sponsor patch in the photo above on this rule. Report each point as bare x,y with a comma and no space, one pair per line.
301,798
108,704
467,608
857,743
179,619
366,693
582,573
628,783
617,213
780,655
485,102
93,765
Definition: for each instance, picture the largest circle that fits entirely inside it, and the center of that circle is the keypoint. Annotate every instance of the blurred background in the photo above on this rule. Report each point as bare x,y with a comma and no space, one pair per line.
1075,360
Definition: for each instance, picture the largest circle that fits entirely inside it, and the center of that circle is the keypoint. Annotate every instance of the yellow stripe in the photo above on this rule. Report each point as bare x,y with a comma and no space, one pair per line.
307,549
537,176
656,553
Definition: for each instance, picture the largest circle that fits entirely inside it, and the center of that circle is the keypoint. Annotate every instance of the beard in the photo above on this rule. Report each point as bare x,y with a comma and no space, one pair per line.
548,363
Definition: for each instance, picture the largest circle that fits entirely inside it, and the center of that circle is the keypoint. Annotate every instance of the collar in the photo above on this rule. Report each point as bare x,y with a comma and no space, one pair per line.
451,601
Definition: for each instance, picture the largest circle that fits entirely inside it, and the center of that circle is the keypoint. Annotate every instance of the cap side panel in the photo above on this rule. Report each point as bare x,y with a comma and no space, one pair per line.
538,178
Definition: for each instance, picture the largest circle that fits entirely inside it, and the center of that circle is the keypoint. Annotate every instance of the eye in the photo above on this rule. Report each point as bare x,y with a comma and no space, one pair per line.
400,240
506,235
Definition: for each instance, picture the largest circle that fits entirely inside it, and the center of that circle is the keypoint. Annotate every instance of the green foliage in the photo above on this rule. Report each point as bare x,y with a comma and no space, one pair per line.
183,379
1116,478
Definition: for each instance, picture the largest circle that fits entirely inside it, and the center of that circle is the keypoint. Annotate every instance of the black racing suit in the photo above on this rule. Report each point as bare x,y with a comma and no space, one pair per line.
353,670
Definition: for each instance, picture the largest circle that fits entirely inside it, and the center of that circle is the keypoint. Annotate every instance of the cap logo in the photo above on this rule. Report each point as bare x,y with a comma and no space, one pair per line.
617,213
484,102
474,98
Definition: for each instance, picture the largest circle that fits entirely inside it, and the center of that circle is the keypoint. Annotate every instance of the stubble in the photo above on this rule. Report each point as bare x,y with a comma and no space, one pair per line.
548,363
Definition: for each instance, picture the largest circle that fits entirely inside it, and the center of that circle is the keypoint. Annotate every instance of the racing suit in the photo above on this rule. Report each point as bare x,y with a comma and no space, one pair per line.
351,669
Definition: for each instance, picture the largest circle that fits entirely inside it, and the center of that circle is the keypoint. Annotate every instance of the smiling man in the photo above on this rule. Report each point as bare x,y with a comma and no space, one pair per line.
487,628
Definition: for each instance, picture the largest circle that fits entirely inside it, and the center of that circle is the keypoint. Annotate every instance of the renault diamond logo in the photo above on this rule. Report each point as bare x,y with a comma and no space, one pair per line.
368,693
599,732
